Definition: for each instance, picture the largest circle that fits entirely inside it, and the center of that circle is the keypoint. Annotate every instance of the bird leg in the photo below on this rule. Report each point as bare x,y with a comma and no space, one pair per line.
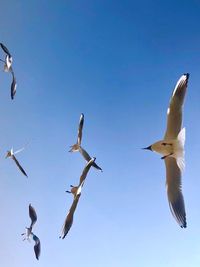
68,192
164,157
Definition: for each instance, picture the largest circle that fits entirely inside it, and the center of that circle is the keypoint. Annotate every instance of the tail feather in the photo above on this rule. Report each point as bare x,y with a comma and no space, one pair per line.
181,137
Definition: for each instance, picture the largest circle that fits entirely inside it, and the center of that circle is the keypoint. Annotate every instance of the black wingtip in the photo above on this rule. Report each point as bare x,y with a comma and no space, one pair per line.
187,75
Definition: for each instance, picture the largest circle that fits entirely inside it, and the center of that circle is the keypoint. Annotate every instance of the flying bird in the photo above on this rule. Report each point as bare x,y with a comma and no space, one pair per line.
172,150
87,157
11,154
29,233
75,147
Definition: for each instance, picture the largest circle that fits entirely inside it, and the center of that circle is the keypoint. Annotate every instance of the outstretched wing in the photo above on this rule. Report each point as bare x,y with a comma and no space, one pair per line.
5,49
32,215
69,219
174,191
37,247
85,171
88,158
19,166
174,112
13,85
80,128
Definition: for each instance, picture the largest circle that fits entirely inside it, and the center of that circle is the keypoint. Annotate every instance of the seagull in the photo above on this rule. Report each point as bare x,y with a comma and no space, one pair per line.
76,191
172,150
75,147
29,234
11,154
88,158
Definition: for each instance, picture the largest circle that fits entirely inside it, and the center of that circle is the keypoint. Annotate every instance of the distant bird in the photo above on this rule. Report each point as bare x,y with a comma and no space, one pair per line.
75,147
11,154
76,191
172,150
87,157
29,233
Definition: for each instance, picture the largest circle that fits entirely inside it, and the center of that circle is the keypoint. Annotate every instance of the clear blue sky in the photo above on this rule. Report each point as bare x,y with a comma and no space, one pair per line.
117,62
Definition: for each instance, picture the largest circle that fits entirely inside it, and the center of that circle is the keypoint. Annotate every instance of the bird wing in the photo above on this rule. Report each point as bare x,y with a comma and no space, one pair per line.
174,112
88,158
19,166
21,149
85,171
80,128
13,85
174,191
37,247
32,215
5,49
69,219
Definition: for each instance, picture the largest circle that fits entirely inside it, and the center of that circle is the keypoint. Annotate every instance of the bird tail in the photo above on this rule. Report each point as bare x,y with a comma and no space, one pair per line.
180,155
74,148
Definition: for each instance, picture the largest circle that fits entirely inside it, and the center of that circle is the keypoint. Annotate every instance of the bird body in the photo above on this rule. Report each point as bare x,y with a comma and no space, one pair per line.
172,150
8,63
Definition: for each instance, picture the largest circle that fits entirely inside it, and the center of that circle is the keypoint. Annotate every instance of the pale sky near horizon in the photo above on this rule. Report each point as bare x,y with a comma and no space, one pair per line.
117,62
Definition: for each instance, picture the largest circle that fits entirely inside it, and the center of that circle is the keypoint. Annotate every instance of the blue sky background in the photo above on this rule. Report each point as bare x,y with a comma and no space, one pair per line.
117,62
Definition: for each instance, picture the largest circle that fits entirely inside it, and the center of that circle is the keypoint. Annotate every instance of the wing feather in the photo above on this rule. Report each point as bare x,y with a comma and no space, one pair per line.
174,112
19,166
174,191
69,218
32,215
80,129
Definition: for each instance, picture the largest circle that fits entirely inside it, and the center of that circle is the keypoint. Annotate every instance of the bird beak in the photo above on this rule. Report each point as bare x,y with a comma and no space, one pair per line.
148,148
